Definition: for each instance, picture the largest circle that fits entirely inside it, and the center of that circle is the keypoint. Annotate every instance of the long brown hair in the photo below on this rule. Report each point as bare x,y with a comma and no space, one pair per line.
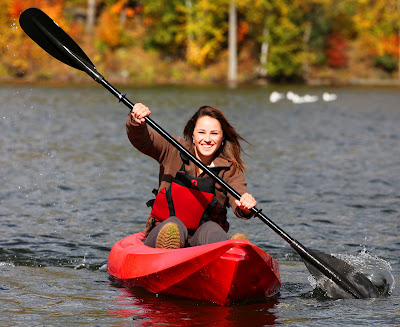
230,148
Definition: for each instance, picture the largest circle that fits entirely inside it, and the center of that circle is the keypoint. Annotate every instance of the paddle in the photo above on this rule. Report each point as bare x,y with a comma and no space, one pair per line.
337,278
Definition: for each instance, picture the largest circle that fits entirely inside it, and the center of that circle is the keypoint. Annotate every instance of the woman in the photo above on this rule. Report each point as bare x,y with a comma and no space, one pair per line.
189,208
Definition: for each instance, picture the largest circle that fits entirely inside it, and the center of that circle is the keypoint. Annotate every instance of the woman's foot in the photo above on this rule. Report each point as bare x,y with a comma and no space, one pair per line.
169,237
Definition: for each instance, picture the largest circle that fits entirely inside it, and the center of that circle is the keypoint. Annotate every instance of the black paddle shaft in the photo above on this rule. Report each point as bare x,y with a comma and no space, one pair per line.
48,35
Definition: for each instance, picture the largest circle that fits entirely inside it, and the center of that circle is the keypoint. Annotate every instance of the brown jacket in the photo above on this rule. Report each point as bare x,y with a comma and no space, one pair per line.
149,142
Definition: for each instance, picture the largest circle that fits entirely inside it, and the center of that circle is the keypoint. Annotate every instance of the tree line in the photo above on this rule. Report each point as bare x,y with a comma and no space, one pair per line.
279,40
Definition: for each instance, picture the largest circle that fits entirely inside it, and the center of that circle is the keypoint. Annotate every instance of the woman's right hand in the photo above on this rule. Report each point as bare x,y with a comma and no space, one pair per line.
139,112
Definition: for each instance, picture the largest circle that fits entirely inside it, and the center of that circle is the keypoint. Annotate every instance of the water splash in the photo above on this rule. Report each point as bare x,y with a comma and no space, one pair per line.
103,267
376,269
83,264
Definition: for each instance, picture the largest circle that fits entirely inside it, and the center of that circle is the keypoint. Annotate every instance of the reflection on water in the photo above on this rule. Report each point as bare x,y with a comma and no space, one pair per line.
328,173
145,308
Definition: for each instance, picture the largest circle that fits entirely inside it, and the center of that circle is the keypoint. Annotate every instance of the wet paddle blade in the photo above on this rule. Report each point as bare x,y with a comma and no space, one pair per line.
51,38
353,279
334,276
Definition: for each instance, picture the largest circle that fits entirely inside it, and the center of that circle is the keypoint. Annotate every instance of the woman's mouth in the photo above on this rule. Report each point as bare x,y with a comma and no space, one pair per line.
207,146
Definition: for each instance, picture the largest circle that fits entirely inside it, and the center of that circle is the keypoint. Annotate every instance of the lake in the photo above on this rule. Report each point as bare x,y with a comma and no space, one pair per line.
72,185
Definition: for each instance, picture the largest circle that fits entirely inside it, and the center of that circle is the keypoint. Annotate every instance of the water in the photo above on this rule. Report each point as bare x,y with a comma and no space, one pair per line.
328,173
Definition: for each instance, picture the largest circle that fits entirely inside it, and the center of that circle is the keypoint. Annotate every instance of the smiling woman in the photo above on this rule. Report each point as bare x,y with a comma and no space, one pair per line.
189,208
216,122
207,138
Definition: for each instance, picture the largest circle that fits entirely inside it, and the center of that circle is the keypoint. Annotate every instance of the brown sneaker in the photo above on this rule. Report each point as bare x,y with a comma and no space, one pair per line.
240,236
169,237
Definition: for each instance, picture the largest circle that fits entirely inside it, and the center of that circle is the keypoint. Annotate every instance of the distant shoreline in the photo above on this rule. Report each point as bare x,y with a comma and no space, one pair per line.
87,81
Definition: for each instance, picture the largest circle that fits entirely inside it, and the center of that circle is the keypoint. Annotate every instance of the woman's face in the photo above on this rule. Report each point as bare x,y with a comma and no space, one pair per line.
207,138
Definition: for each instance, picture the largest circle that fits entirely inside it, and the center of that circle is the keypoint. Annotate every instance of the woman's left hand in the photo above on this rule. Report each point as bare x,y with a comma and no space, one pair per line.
246,202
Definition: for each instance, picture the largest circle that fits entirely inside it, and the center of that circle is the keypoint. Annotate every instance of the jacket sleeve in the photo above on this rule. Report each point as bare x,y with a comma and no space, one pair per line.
146,140
239,183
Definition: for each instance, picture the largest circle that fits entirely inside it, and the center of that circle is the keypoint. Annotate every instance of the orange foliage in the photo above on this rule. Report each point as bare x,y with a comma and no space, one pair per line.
130,12
147,21
53,8
386,46
391,45
336,50
108,29
242,31
118,7
139,9
16,7
76,31
19,46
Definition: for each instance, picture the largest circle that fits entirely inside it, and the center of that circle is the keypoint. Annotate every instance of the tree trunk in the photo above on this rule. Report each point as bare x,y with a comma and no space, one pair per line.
232,43
91,15
264,53
306,41
122,16
398,64
189,8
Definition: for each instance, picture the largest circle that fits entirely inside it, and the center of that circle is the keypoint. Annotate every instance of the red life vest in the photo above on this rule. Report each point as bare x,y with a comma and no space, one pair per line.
191,199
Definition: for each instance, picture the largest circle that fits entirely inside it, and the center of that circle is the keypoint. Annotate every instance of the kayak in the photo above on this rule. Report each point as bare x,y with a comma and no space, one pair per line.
222,272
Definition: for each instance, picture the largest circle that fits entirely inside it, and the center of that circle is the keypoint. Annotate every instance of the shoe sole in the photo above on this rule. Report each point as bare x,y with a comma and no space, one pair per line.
169,237
240,236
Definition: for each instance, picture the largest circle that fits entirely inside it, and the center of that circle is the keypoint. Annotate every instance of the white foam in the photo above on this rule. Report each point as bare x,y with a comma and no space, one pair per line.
2,264
377,270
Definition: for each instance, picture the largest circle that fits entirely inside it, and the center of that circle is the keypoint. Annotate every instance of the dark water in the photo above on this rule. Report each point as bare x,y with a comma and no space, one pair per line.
328,173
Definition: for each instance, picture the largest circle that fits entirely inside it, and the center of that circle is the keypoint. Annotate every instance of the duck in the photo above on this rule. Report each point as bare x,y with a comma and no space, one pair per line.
276,96
295,98
329,96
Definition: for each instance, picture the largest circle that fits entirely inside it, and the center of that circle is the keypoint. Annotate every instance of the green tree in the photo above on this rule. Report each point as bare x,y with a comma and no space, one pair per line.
207,29
287,25
165,22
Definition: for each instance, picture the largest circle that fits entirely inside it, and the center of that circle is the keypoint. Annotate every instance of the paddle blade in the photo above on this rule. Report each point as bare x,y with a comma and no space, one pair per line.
355,281
52,38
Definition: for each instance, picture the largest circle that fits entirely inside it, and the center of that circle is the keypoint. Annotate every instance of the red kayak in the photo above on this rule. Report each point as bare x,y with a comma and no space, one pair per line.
221,272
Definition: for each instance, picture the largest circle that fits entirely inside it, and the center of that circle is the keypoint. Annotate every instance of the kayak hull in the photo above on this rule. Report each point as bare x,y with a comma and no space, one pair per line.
222,272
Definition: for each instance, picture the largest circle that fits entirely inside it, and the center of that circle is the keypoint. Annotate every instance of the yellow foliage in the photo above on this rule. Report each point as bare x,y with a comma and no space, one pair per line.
201,28
194,54
361,22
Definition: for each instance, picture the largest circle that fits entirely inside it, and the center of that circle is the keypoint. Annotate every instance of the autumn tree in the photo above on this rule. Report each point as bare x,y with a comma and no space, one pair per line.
16,46
377,26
